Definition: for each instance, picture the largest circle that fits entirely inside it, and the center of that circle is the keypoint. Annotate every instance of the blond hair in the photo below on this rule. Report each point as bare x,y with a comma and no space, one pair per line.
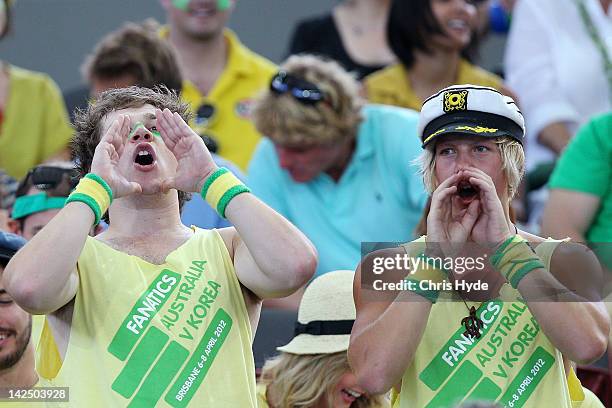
304,380
512,158
290,122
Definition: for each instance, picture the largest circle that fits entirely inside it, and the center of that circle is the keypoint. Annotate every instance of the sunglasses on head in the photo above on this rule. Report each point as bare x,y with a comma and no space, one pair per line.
50,178
302,90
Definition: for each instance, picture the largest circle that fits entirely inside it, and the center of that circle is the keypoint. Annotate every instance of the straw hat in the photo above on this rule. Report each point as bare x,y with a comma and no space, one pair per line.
326,316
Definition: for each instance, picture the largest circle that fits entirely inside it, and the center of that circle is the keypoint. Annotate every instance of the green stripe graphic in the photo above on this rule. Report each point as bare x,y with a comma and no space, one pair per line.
485,390
457,387
140,361
525,382
143,311
160,376
194,372
438,370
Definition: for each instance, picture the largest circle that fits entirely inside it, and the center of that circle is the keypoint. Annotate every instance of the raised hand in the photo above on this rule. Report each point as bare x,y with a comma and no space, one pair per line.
448,225
491,227
195,163
105,162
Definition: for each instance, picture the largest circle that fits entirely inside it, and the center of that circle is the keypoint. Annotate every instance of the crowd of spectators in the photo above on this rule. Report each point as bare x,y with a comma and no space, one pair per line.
237,186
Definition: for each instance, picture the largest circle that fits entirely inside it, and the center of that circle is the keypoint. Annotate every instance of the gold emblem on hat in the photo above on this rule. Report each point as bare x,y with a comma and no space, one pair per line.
455,101
477,129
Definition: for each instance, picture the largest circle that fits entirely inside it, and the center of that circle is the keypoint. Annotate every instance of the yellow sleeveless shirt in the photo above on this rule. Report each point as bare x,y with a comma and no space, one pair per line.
145,335
513,362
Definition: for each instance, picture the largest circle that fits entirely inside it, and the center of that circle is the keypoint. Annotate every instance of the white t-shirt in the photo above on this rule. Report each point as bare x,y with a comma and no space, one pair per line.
555,68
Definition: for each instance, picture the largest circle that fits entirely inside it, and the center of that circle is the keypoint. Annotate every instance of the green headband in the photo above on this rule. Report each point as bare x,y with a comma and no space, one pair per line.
30,204
222,5
141,125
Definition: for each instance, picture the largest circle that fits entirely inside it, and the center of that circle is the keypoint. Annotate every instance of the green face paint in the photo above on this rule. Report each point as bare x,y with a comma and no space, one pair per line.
222,5
139,125
181,4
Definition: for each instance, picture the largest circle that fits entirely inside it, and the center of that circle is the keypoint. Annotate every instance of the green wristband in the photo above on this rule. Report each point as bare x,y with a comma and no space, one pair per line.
514,259
86,199
211,179
228,196
431,273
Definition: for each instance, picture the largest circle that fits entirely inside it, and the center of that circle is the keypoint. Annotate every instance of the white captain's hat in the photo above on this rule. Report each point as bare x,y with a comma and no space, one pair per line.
472,110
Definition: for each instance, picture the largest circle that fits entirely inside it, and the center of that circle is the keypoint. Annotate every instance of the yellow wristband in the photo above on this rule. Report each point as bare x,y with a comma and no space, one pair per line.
514,259
426,271
220,188
95,192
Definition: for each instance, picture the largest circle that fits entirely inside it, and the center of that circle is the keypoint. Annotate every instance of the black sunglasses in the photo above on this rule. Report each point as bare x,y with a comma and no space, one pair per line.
49,178
205,114
302,90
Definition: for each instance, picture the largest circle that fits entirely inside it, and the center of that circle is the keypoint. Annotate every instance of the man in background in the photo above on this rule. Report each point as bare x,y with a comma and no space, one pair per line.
16,348
221,75
40,196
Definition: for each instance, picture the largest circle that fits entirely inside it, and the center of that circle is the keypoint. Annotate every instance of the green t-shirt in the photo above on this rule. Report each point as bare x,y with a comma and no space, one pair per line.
586,166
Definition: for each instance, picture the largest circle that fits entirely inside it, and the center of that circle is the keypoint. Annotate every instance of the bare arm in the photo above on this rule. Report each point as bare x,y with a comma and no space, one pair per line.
381,349
42,276
555,136
569,214
576,322
271,256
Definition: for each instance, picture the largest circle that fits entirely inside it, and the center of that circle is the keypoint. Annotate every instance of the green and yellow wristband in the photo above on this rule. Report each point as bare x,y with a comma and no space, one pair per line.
514,259
426,271
220,188
93,191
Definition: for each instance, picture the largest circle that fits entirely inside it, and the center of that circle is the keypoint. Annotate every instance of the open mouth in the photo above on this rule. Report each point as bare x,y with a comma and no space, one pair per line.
5,334
458,24
144,155
350,393
466,190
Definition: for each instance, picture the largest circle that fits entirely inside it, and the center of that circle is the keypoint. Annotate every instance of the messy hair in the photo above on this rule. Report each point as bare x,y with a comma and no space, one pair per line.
88,122
291,123
304,380
136,50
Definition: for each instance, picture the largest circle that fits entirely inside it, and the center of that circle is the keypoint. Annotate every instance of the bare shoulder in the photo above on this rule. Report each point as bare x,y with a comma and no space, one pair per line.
574,265
230,237
382,266
565,251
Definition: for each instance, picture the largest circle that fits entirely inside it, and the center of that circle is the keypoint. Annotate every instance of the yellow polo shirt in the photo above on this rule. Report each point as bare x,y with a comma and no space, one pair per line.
391,86
245,76
35,124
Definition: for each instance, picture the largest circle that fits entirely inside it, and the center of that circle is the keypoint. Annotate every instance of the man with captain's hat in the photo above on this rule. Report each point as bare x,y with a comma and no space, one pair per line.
500,330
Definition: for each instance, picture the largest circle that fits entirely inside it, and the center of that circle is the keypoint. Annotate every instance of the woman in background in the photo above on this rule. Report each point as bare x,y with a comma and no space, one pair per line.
312,370
434,41
352,34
